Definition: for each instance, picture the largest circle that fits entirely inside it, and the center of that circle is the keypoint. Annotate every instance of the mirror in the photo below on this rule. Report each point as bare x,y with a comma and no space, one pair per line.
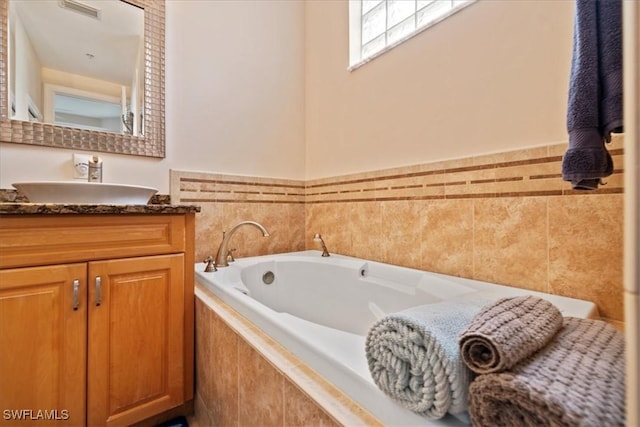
76,63
91,106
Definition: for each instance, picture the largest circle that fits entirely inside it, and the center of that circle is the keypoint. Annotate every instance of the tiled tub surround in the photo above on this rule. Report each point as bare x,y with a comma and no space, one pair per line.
244,378
505,218
226,200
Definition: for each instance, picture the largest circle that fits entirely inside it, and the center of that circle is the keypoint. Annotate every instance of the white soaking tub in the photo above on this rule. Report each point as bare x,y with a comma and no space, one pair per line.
321,309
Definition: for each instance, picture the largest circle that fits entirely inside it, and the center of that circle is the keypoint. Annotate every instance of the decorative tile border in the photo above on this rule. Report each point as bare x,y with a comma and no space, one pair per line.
201,188
536,176
522,173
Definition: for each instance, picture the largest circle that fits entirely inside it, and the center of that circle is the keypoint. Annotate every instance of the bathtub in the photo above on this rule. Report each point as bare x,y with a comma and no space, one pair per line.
321,309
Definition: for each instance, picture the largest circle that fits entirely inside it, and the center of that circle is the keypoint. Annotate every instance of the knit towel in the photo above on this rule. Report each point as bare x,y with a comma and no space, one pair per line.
413,357
507,331
576,380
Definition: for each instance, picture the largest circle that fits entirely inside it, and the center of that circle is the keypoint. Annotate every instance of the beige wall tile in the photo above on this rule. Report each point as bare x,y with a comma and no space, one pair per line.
296,232
434,190
224,371
616,179
527,170
586,250
446,237
201,412
216,367
261,389
339,234
400,232
617,141
331,221
519,155
453,164
300,411
320,218
366,229
555,150
209,230
510,242
205,342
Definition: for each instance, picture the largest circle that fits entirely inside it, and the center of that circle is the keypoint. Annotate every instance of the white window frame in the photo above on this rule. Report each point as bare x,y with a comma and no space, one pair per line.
356,59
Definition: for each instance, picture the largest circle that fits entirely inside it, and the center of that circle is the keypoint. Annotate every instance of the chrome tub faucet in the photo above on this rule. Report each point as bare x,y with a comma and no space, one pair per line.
222,257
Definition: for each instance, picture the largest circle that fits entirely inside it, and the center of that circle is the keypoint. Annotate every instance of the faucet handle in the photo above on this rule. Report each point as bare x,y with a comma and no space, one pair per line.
211,265
230,257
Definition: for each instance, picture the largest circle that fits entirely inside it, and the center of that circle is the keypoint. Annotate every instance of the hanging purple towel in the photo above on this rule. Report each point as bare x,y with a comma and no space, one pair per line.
595,92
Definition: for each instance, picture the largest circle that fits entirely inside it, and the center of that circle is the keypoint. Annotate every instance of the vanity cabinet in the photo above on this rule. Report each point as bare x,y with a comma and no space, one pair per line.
96,316
43,339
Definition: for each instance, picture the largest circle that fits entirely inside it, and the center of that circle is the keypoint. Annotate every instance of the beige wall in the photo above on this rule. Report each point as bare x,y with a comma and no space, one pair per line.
237,76
234,99
493,77
261,88
28,85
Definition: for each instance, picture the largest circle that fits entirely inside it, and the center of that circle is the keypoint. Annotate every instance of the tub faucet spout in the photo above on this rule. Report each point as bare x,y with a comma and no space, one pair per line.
318,238
221,256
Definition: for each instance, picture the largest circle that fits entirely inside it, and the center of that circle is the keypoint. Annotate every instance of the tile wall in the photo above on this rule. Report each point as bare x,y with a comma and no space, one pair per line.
225,200
243,378
506,218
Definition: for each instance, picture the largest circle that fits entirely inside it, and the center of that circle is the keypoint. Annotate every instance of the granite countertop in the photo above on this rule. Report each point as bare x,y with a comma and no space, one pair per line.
14,203
55,209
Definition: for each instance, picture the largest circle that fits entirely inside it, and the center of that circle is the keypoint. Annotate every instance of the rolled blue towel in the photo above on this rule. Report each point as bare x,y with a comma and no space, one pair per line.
413,357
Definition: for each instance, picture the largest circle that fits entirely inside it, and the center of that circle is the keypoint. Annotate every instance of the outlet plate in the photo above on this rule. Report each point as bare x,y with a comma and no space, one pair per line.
81,166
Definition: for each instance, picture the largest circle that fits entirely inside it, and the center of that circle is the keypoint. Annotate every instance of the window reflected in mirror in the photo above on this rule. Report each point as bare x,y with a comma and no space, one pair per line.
86,113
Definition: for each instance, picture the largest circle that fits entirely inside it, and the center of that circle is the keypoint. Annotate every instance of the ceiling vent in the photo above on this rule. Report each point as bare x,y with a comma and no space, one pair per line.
82,8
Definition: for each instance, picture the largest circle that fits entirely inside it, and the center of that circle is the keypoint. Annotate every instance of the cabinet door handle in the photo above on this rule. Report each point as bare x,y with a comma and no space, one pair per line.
98,290
76,294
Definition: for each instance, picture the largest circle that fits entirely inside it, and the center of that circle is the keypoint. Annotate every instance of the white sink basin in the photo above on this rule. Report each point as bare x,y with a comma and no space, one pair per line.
81,192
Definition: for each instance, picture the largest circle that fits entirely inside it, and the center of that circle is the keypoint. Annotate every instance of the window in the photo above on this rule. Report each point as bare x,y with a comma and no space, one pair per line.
378,25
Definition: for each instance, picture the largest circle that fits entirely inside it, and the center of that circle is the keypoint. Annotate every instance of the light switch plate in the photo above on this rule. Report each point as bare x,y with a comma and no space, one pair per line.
81,166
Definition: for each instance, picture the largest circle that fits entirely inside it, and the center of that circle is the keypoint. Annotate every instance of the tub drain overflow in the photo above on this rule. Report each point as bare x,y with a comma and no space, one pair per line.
268,277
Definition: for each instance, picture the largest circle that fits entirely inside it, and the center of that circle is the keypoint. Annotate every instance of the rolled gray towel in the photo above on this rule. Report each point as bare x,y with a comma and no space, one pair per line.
507,331
576,380
413,357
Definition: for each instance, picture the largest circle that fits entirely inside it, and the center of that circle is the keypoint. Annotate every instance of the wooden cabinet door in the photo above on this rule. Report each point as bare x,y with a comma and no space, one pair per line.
136,329
43,333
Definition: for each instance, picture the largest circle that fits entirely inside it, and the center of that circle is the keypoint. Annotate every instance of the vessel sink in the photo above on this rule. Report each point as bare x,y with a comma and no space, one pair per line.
81,192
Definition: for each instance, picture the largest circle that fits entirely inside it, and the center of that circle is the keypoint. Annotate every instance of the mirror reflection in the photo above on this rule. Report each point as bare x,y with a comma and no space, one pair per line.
77,63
